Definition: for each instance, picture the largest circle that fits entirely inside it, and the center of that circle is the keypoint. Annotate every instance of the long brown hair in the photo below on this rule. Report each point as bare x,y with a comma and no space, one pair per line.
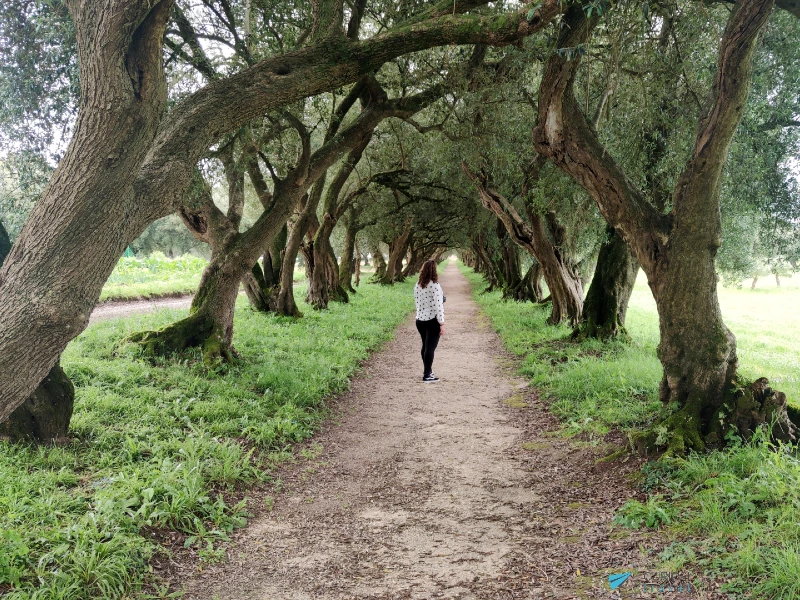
427,274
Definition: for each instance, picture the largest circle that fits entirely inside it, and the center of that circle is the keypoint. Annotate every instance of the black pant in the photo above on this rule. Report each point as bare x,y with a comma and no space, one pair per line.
429,331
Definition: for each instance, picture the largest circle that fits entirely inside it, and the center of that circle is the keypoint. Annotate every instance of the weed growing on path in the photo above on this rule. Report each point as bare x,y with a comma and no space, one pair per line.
158,448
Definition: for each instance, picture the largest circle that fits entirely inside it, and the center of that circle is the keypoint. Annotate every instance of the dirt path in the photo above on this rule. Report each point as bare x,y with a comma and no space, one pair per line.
126,308
426,491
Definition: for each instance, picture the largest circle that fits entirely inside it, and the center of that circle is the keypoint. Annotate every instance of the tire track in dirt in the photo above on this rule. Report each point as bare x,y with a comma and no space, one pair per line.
426,491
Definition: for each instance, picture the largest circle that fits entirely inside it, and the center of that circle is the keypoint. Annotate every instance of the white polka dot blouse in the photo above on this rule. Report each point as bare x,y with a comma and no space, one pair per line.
430,302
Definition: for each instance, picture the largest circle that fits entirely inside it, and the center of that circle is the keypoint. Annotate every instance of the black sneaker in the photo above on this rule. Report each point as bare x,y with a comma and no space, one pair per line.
430,379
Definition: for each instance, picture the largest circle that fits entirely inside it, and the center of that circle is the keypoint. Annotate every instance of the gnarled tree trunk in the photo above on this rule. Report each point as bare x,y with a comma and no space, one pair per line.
81,225
351,259
210,321
45,416
676,251
397,250
262,285
610,291
378,260
566,289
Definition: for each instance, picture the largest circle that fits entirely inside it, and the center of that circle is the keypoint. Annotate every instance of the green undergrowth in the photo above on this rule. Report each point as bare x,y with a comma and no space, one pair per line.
731,513
153,276
168,446
157,276
593,386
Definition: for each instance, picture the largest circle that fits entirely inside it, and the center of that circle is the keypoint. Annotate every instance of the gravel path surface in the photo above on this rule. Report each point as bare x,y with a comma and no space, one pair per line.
458,489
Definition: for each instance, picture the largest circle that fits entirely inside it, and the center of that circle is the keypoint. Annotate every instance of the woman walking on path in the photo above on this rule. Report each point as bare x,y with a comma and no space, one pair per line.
430,316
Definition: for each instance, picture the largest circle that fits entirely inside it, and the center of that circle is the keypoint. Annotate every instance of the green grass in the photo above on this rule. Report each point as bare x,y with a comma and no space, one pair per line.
594,386
160,446
153,276
732,513
157,276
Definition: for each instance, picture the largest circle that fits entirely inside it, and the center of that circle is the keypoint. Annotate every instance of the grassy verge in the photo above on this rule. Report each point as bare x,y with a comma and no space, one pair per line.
161,447
731,513
158,276
153,277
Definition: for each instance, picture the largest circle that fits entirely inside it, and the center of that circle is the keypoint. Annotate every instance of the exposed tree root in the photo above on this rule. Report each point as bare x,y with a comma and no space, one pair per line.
748,408
196,330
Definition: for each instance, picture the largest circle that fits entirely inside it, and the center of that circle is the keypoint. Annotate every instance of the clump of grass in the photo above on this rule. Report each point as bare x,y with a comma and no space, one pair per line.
739,508
593,386
158,445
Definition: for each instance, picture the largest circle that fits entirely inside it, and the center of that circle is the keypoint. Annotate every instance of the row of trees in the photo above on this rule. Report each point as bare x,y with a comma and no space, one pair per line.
596,145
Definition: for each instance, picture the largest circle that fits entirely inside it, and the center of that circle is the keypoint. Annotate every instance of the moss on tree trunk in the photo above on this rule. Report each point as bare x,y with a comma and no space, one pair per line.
210,321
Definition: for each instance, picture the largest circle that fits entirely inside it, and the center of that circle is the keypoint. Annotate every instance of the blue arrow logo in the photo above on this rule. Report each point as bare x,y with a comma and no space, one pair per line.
618,579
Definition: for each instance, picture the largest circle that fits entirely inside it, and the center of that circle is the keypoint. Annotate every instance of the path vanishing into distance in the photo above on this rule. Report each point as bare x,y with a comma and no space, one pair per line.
458,489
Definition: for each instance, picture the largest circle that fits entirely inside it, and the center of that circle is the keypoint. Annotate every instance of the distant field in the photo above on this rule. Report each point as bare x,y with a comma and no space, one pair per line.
157,276
763,320
153,276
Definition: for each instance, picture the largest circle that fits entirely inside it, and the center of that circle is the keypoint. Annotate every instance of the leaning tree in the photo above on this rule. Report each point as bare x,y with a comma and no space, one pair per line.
676,249
131,158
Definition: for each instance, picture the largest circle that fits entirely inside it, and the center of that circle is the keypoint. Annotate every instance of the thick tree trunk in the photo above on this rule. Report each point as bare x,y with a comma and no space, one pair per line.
378,260
45,416
285,303
262,285
607,300
323,284
676,251
210,321
80,226
413,262
397,250
566,289
258,292
529,288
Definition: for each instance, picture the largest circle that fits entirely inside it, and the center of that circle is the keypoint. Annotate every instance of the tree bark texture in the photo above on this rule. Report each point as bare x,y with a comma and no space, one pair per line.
677,250
606,302
45,415
262,285
324,284
378,260
129,164
565,286
351,258
397,251
78,229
